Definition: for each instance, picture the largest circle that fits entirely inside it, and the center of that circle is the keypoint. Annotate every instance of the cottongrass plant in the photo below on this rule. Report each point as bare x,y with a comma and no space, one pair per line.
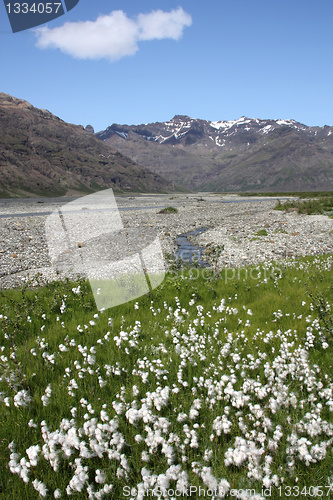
210,389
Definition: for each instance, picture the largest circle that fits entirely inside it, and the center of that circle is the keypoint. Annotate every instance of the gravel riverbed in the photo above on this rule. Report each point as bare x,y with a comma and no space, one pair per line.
233,223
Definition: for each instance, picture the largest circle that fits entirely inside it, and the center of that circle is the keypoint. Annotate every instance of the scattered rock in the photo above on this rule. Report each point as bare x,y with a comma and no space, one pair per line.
90,129
230,225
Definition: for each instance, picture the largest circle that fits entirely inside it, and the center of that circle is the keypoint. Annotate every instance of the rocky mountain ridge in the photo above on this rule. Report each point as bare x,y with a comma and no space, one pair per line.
40,154
240,155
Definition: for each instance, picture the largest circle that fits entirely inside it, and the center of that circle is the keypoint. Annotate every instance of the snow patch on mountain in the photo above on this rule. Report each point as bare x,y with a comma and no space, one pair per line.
122,134
267,129
228,124
285,122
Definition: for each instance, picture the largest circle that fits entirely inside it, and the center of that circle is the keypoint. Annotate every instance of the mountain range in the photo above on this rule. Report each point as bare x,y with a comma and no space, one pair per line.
42,155
241,155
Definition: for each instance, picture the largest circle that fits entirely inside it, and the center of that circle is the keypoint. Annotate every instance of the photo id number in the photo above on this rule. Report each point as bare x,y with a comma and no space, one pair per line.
35,8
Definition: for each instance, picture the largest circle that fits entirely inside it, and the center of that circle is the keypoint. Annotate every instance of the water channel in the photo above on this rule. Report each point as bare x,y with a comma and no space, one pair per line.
187,251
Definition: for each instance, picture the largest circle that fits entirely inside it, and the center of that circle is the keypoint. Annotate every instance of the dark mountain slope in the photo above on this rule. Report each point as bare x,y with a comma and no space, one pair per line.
240,155
43,155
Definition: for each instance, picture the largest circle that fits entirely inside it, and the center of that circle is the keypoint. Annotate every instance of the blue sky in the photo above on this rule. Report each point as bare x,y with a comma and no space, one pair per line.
213,59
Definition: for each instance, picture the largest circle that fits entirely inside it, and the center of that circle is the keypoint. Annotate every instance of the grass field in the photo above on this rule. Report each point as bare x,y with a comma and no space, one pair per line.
297,194
210,387
309,202
313,206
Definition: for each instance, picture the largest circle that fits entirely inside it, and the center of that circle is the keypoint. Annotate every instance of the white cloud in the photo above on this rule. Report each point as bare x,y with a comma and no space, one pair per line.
113,36
159,24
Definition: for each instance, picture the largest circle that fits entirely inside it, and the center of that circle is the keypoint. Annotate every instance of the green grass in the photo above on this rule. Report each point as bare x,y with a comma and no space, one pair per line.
250,346
298,194
262,232
320,205
169,210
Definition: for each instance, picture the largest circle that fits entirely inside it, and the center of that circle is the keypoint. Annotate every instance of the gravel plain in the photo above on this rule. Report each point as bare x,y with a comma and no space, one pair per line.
232,221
